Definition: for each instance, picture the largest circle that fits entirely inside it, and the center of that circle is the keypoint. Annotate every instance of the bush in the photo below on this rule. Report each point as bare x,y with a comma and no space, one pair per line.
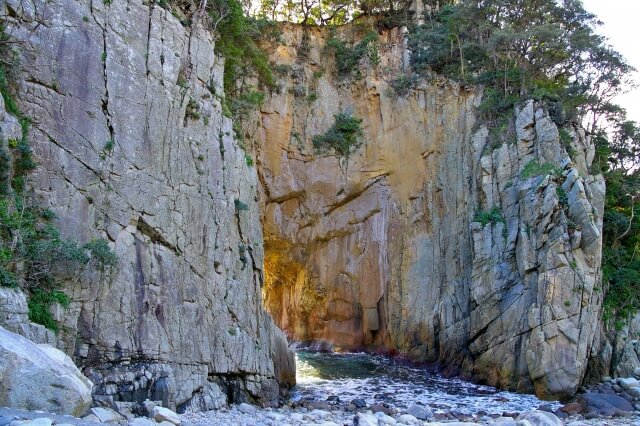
492,216
534,168
345,135
348,58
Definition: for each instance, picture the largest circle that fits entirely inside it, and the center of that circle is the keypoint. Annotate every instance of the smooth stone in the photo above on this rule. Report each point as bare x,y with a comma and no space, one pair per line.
161,414
319,413
636,371
420,412
106,415
504,421
40,421
628,382
141,421
408,419
247,408
91,418
539,418
604,404
383,419
365,419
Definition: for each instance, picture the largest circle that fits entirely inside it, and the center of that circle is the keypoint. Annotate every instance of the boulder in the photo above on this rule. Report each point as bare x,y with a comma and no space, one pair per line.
539,418
365,419
40,377
161,414
605,404
106,415
420,412
628,383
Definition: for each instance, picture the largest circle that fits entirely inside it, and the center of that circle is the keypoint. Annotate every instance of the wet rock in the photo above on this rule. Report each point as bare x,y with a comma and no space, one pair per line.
359,403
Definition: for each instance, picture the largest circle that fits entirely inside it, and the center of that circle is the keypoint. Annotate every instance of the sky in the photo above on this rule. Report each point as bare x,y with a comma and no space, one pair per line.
621,20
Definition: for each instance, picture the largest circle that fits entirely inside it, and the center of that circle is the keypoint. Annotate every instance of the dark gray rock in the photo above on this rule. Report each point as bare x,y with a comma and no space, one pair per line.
604,404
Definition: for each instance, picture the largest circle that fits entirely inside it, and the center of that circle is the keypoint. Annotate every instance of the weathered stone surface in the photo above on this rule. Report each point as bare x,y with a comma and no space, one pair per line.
539,418
14,316
605,404
40,377
132,147
162,414
382,250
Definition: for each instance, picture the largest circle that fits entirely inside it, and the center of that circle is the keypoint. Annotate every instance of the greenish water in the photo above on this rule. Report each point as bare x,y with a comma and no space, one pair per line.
378,379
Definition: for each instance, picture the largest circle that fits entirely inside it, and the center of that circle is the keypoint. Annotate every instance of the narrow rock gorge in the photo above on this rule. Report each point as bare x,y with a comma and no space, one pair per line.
132,147
442,238
438,239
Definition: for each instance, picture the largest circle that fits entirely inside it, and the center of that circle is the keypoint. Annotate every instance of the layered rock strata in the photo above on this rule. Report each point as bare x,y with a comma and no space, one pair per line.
132,146
439,238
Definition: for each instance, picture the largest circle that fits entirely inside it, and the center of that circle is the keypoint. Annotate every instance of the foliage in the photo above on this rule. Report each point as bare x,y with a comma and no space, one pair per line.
348,58
540,49
331,12
492,216
345,135
534,168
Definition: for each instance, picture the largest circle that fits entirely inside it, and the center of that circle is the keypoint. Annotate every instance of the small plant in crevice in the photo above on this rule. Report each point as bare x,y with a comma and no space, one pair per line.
344,135
240,206
534,168
192,110
485,217
563,198
248,160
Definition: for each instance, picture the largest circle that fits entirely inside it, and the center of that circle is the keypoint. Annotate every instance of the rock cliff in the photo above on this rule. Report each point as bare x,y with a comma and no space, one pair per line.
439,238
132,146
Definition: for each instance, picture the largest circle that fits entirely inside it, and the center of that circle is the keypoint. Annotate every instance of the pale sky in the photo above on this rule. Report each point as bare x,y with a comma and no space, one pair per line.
622,27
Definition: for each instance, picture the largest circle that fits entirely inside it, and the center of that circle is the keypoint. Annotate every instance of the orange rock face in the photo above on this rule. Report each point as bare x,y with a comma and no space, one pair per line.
386,248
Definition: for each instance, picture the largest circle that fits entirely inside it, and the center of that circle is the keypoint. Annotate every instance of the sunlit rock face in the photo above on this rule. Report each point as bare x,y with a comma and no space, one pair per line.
433,239
132,146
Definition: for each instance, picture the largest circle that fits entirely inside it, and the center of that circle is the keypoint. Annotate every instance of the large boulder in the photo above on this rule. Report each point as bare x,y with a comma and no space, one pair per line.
605,404
40,377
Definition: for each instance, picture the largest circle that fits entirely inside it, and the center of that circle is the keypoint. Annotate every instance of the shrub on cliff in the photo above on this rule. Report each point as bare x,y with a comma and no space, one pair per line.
344,135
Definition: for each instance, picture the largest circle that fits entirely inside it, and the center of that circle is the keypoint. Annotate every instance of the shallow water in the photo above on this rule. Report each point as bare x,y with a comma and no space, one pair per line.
378,379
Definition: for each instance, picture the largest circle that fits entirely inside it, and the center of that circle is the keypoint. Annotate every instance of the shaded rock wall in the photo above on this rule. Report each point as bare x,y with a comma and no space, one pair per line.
132,147
382,250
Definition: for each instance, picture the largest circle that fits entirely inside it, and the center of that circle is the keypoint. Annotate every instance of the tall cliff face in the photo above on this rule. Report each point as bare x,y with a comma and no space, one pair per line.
434,239
133,147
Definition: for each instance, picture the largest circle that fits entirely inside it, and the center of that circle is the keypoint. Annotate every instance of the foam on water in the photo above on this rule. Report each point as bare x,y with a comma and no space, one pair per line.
377,379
